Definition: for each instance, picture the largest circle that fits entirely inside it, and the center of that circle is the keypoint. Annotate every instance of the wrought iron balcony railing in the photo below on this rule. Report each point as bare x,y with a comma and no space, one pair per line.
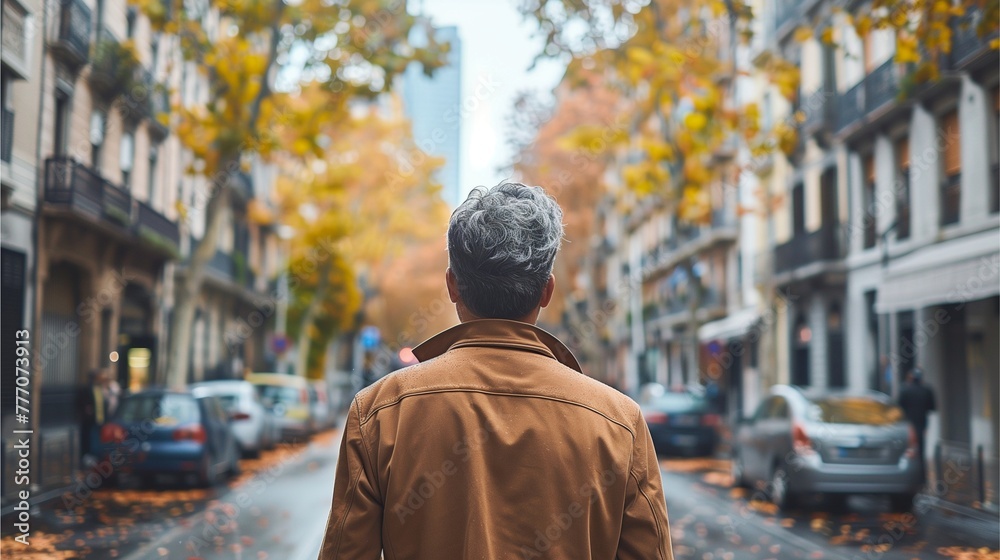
877,90
71,39
82,190
807,248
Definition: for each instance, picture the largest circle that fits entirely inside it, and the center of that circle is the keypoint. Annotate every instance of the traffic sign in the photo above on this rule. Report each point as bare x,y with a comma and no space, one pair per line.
370,337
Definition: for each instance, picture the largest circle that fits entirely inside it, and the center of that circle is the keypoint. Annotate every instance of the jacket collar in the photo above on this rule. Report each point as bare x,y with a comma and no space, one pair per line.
497,333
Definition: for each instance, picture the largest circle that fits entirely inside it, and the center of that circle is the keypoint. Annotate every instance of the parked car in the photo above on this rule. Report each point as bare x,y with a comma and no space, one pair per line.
160,431
831,442
323,415
681,422
254,426
287,397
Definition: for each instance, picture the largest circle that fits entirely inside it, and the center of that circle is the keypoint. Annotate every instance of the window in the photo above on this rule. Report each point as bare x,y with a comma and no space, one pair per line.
994,155
126,158
96,139
152,170
130,22
798,209
7,118
868,199
951,184
903,188
60,140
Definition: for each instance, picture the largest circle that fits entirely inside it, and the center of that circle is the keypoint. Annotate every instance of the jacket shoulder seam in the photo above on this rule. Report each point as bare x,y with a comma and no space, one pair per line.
486,391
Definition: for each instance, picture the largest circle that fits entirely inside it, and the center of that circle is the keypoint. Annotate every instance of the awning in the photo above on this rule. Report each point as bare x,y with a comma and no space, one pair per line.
731,326
955,271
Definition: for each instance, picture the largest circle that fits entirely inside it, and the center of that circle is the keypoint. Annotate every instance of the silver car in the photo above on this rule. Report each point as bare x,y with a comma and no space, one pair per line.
254,426
831,442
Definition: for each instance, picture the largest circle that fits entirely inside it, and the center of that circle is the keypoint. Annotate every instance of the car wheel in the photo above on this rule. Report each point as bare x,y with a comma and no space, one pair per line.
902,502
736,469
778,489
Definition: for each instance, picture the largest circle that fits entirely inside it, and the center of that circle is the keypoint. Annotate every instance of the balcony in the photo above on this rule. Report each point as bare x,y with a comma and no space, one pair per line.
7,138
784,12
71,38
819,109
156,228
688,242
966,44
870,96
230,267
675,309
808,248
115,71
85,193
15,45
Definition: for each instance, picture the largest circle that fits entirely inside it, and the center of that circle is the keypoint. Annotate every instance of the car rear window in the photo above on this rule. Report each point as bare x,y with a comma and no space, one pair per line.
228,402
855,410
167,409
679,402
279,394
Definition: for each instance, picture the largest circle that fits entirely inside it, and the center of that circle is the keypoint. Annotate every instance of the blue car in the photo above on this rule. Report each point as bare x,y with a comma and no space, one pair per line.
160,431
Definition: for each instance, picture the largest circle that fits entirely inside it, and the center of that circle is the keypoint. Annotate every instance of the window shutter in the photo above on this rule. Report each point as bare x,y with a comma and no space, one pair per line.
903,152
952,143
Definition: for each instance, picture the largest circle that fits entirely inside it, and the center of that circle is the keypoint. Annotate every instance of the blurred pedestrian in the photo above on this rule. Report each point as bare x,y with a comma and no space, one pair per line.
917,401
499,446
92,411
112,394
885,371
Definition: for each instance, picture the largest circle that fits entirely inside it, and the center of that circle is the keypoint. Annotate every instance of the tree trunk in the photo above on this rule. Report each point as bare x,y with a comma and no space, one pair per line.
694,284
304,343
187,290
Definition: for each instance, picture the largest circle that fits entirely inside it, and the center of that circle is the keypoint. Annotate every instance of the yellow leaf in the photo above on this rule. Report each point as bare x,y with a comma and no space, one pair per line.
827,36
695,121
803,34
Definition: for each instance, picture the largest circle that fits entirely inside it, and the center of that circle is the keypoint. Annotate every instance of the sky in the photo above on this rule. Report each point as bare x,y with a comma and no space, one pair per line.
497,49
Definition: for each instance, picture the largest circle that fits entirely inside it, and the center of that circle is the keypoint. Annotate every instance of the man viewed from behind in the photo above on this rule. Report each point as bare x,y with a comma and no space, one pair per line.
495,445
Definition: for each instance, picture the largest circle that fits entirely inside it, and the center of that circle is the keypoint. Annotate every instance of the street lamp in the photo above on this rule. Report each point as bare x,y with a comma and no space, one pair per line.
285,233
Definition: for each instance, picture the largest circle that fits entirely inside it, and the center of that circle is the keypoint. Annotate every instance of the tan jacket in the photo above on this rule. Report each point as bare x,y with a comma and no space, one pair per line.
496,447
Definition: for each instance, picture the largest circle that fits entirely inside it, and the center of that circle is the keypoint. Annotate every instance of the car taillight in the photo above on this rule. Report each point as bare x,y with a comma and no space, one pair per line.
911,444
655,418
240,416
193,433
711,420
112,433
800,440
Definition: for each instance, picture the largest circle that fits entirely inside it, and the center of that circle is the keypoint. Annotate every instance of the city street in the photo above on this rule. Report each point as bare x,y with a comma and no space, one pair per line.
709,520
277,510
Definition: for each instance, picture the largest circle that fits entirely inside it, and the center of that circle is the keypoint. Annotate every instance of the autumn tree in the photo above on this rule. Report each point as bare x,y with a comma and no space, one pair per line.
924,29
367,200
351,49
546,155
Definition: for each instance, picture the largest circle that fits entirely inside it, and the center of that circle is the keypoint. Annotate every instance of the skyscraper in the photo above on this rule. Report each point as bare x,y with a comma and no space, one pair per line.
433,105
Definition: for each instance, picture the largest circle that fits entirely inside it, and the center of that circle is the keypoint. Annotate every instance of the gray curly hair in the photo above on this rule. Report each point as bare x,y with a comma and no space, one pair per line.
502,242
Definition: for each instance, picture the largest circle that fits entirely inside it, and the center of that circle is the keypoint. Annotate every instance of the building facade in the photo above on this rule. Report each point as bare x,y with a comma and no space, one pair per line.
99,215
886,237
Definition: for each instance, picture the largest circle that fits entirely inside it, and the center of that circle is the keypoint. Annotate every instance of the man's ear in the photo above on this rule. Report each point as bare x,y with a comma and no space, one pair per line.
547,291
452,282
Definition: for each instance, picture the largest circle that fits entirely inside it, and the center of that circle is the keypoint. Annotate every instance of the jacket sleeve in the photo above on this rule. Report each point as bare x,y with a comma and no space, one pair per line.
645,530
354,527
